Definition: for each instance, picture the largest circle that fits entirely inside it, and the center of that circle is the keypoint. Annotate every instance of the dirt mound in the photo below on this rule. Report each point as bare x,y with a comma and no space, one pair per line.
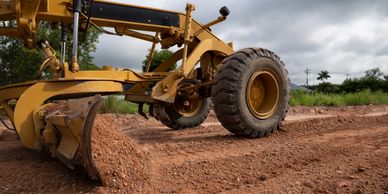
131,121
123,165
337,122
346,110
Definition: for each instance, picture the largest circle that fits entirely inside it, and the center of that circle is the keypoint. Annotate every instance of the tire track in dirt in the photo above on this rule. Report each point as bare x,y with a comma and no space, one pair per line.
218,146
268,169
185,166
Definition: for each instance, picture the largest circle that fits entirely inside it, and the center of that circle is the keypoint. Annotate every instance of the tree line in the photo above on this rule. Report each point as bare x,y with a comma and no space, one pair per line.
19,64
373,80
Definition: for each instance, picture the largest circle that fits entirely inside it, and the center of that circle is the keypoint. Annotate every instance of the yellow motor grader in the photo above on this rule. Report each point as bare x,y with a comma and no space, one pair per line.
249,87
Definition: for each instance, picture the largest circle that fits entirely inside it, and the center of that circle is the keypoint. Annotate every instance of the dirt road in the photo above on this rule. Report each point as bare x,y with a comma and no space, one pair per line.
317,150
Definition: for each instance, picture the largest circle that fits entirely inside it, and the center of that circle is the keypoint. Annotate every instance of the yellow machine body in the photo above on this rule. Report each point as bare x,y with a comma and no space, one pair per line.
30,105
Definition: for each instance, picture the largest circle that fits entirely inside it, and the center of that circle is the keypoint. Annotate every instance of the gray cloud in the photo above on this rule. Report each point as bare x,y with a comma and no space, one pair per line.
341,36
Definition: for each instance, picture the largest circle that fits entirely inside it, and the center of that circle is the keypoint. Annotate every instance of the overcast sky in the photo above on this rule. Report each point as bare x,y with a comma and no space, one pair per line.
344,37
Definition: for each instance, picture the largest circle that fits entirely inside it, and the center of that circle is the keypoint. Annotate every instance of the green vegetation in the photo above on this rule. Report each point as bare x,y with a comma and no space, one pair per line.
301,98
19,64
373,80
159,58
116,104
323,75
372,88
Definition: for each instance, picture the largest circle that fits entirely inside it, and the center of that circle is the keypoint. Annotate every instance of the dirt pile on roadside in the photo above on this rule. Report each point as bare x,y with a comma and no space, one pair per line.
346,110
338,122
122,165
131,121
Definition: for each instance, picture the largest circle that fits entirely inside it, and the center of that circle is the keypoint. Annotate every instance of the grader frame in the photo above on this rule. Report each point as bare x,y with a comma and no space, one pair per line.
196,39
46,115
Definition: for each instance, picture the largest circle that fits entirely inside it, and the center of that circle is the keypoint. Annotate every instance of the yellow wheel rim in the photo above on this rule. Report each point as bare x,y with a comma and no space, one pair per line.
263,94
187,107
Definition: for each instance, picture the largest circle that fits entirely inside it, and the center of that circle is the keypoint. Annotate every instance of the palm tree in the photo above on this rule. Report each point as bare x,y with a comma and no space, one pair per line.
323,75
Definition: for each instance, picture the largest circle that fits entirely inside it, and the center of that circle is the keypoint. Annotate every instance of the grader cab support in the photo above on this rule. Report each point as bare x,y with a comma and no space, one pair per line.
249,87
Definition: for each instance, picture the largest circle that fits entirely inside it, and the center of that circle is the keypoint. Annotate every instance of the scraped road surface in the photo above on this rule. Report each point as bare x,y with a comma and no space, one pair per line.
317,150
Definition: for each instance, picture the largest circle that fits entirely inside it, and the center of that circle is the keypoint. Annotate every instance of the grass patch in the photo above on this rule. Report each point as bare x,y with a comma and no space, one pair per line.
301,98
116,104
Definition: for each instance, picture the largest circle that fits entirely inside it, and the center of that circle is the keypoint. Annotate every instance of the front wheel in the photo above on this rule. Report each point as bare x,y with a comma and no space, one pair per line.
188,110
183,114
251,92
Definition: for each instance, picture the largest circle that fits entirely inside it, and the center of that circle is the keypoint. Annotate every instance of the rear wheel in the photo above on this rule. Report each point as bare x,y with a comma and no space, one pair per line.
251,92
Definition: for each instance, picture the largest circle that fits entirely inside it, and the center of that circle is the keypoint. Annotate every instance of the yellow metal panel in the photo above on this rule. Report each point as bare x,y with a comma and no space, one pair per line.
7,7
137,89
57,11
203,47
57,6
68,144
14,91
165,90
120,76
37,94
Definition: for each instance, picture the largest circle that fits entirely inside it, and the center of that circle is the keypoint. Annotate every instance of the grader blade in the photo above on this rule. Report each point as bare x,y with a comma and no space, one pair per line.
68,131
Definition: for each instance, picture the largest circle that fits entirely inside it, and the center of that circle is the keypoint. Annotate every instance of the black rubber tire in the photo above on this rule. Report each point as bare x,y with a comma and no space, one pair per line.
178,122
229,92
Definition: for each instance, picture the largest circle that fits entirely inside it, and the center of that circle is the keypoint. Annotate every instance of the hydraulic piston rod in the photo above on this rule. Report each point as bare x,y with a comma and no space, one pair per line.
63,43
74,60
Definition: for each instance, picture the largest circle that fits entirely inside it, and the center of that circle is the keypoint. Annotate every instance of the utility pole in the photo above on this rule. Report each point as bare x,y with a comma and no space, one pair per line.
307,71
347,76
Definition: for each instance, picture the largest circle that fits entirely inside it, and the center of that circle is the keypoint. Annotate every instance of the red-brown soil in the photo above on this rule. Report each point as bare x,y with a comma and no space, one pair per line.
317,150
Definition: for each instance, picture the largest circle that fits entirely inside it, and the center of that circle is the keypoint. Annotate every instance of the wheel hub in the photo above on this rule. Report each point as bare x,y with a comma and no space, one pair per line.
185,103
263,94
